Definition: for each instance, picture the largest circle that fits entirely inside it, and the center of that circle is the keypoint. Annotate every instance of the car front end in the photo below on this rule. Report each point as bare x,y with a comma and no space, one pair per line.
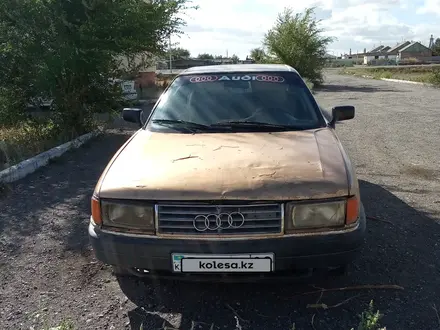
269,249
244,215
201,197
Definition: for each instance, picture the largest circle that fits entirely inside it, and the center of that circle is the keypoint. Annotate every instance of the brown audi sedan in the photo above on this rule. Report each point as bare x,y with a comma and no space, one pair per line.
236,172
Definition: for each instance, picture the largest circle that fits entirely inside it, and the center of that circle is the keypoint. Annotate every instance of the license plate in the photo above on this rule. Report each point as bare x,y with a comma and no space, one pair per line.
226,263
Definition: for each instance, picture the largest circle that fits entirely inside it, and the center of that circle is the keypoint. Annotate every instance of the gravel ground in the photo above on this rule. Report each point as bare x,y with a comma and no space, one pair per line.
48,272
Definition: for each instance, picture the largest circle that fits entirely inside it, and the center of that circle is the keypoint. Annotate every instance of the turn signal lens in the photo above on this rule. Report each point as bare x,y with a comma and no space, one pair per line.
352,212
96,210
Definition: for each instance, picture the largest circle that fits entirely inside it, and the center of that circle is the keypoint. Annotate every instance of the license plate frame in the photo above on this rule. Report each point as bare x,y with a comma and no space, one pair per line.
217,263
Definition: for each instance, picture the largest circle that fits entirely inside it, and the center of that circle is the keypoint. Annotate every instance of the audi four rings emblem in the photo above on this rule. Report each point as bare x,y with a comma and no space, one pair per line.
214,222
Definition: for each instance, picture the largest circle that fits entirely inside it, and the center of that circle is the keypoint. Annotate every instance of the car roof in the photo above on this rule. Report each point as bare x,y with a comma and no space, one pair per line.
232,68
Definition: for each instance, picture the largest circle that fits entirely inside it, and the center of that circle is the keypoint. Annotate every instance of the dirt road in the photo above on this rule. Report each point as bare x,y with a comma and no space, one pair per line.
48,272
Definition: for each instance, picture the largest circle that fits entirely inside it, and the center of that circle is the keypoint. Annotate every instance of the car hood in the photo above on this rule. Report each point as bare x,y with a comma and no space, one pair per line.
235,166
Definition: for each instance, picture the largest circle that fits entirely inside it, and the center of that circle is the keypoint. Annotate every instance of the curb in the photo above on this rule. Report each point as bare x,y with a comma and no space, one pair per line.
30,165
407,82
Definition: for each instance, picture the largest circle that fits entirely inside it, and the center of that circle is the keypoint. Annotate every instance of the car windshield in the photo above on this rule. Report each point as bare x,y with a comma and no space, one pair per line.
236,102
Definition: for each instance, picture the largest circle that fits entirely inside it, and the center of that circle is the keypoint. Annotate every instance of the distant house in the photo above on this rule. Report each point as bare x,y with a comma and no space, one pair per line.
384,53
414,50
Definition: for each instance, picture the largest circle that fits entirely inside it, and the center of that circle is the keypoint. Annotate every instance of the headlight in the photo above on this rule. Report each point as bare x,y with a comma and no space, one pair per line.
316,215
130,216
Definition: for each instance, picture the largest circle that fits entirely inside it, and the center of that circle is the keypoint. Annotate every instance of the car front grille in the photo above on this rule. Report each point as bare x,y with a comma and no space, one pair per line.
207,219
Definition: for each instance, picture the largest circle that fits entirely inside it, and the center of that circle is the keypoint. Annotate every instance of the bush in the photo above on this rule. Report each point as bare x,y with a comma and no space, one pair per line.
296,40
72,48
435,77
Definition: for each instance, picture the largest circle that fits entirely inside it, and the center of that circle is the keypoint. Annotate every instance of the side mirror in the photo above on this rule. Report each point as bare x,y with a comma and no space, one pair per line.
132,115
340,113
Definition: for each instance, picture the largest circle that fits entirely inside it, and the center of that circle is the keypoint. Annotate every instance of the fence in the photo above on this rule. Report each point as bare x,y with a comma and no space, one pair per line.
339,63
420,60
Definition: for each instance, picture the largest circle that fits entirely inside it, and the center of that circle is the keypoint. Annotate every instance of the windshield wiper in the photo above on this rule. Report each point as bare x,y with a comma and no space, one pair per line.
191,126
255,124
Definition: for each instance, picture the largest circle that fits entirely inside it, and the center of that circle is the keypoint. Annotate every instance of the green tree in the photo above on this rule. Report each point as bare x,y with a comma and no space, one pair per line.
68,50
205,56
436,47
258,55
296,40
235,59
179,52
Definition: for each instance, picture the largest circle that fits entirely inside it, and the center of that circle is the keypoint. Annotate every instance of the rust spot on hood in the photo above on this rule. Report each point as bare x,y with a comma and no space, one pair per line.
310,166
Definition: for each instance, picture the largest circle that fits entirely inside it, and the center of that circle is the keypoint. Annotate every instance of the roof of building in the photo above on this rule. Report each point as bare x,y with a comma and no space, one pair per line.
407,46
374,54
412,44
230,68
399,47
377,49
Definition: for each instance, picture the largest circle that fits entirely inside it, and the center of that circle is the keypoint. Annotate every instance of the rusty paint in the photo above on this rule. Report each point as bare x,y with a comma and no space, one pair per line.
310,165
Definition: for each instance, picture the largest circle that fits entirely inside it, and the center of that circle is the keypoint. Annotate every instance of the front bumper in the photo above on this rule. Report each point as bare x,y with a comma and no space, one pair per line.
292,252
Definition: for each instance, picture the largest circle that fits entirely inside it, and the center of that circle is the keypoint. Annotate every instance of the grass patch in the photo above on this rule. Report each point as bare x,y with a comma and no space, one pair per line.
423,74
370,319
27,139
64,325
30,138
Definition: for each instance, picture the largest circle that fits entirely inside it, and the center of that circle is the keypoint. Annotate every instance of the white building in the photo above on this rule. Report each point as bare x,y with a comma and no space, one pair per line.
382,53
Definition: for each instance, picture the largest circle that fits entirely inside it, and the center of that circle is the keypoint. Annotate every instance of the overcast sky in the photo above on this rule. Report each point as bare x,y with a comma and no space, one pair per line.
237,26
